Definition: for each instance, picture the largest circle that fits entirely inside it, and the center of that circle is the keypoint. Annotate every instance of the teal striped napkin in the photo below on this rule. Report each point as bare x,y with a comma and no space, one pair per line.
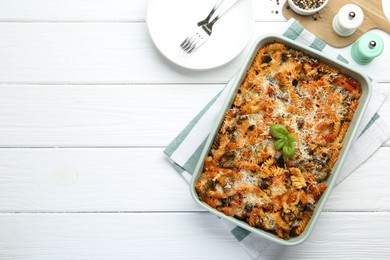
184,151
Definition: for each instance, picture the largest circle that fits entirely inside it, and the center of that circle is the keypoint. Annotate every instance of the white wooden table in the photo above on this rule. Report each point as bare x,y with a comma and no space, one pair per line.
87,105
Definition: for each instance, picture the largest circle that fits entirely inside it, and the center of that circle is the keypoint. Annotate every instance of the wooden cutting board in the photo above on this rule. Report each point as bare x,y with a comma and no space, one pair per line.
374,18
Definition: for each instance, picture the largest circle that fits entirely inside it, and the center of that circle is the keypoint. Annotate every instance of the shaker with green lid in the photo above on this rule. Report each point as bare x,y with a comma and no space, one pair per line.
367,47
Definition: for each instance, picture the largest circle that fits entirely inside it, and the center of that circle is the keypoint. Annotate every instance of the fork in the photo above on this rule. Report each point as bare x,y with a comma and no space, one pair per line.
186,44
205,28
207,19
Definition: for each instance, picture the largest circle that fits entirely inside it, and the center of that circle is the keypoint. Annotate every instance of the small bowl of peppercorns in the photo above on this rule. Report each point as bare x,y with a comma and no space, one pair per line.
307,7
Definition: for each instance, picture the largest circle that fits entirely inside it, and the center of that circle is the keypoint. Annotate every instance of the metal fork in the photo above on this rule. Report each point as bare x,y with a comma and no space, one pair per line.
207,19
186,44
205,28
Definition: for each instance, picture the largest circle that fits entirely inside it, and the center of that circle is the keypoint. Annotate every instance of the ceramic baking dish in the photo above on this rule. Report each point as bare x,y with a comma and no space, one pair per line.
363,101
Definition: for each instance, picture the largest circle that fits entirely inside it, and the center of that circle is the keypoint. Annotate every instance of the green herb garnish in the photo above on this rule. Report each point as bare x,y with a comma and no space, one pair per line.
285,141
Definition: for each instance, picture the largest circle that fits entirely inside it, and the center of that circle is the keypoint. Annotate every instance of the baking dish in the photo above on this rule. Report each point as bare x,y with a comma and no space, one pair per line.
349,137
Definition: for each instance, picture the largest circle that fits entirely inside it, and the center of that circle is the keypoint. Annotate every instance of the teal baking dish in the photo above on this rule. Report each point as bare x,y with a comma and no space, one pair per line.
347,142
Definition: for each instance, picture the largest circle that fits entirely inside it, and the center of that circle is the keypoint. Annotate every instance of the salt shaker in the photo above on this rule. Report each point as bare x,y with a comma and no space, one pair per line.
367,47
348,19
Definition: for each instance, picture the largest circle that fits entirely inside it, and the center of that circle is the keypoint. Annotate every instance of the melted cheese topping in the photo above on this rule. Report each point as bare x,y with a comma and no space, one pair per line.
244,176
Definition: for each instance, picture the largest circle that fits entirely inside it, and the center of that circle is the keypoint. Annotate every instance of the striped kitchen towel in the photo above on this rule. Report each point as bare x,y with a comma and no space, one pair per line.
184,151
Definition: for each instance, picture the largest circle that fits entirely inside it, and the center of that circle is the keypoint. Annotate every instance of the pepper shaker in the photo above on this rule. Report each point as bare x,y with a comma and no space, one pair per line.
348,19
367,47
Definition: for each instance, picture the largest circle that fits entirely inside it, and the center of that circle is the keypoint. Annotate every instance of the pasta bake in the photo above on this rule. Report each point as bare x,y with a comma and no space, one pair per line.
244,175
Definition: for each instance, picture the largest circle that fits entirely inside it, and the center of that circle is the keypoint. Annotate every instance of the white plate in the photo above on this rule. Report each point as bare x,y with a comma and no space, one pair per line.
171,21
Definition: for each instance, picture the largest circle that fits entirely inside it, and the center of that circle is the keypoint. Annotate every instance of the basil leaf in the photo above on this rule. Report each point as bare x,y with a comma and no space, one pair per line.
288,149
290,138
278,131
279,144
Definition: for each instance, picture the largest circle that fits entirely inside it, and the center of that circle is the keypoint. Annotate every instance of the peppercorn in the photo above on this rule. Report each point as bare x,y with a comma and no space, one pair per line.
308,4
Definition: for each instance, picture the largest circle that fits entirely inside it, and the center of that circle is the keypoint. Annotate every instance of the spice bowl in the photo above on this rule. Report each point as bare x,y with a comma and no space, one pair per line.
307,7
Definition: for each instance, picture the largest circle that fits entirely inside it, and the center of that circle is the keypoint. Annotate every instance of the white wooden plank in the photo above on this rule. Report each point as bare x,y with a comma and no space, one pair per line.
361,235
104,10
111,53
342,236
102,115
90,180
112,10
72,10
91,53
146,115
138,180
116,236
